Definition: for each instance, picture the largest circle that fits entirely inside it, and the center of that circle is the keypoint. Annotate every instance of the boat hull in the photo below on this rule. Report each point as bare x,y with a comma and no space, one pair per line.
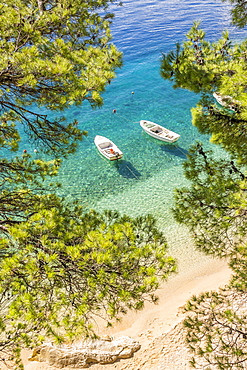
159,132
107,148
114,158
226,101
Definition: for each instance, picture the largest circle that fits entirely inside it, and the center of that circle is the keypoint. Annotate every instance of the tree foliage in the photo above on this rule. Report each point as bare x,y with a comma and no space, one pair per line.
197,64
22,187
227,129
54,54
238,12
214,208
214,205
63,268
217,330
207,67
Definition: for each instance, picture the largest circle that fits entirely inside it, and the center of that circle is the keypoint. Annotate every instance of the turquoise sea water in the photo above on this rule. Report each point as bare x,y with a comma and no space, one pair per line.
143,181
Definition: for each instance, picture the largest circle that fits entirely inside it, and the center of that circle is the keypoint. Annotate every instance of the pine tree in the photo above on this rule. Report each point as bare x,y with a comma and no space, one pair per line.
214,205
63,268
54,54
238,12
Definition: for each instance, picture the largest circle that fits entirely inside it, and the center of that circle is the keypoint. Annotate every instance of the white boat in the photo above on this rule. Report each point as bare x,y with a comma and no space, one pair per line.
159,132
107,148
226,101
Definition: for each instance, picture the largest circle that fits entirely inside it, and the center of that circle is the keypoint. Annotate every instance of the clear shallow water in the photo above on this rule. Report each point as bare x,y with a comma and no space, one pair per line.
143,181
142,30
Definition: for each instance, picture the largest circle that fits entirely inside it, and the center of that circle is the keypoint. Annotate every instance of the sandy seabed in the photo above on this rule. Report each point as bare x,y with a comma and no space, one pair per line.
158,327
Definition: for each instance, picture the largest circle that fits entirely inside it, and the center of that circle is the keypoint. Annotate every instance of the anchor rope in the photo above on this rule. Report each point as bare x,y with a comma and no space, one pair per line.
176,146
131,172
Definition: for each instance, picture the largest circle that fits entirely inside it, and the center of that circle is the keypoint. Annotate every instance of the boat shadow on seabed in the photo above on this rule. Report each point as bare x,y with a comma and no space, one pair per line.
174,150
127,170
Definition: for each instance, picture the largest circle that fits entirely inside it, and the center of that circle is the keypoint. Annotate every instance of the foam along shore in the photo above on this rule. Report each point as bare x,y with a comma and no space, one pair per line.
158,327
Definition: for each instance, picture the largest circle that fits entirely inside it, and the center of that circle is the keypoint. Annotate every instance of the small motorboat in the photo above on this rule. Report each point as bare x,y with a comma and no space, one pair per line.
159,132
107,148
226,101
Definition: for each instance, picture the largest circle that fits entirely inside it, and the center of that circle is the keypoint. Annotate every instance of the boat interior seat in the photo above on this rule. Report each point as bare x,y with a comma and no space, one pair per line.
105,145
156,129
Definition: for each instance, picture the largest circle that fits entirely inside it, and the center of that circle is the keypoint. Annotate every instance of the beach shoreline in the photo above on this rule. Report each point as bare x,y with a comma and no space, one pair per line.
158,326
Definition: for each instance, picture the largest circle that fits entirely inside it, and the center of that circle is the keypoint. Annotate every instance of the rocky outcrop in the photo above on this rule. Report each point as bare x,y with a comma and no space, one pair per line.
81,355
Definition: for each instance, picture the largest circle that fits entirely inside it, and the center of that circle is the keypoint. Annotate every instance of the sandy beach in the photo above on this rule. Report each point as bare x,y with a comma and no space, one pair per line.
158,328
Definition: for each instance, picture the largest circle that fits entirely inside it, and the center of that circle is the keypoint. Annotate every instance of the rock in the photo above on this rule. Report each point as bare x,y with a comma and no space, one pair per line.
81,355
